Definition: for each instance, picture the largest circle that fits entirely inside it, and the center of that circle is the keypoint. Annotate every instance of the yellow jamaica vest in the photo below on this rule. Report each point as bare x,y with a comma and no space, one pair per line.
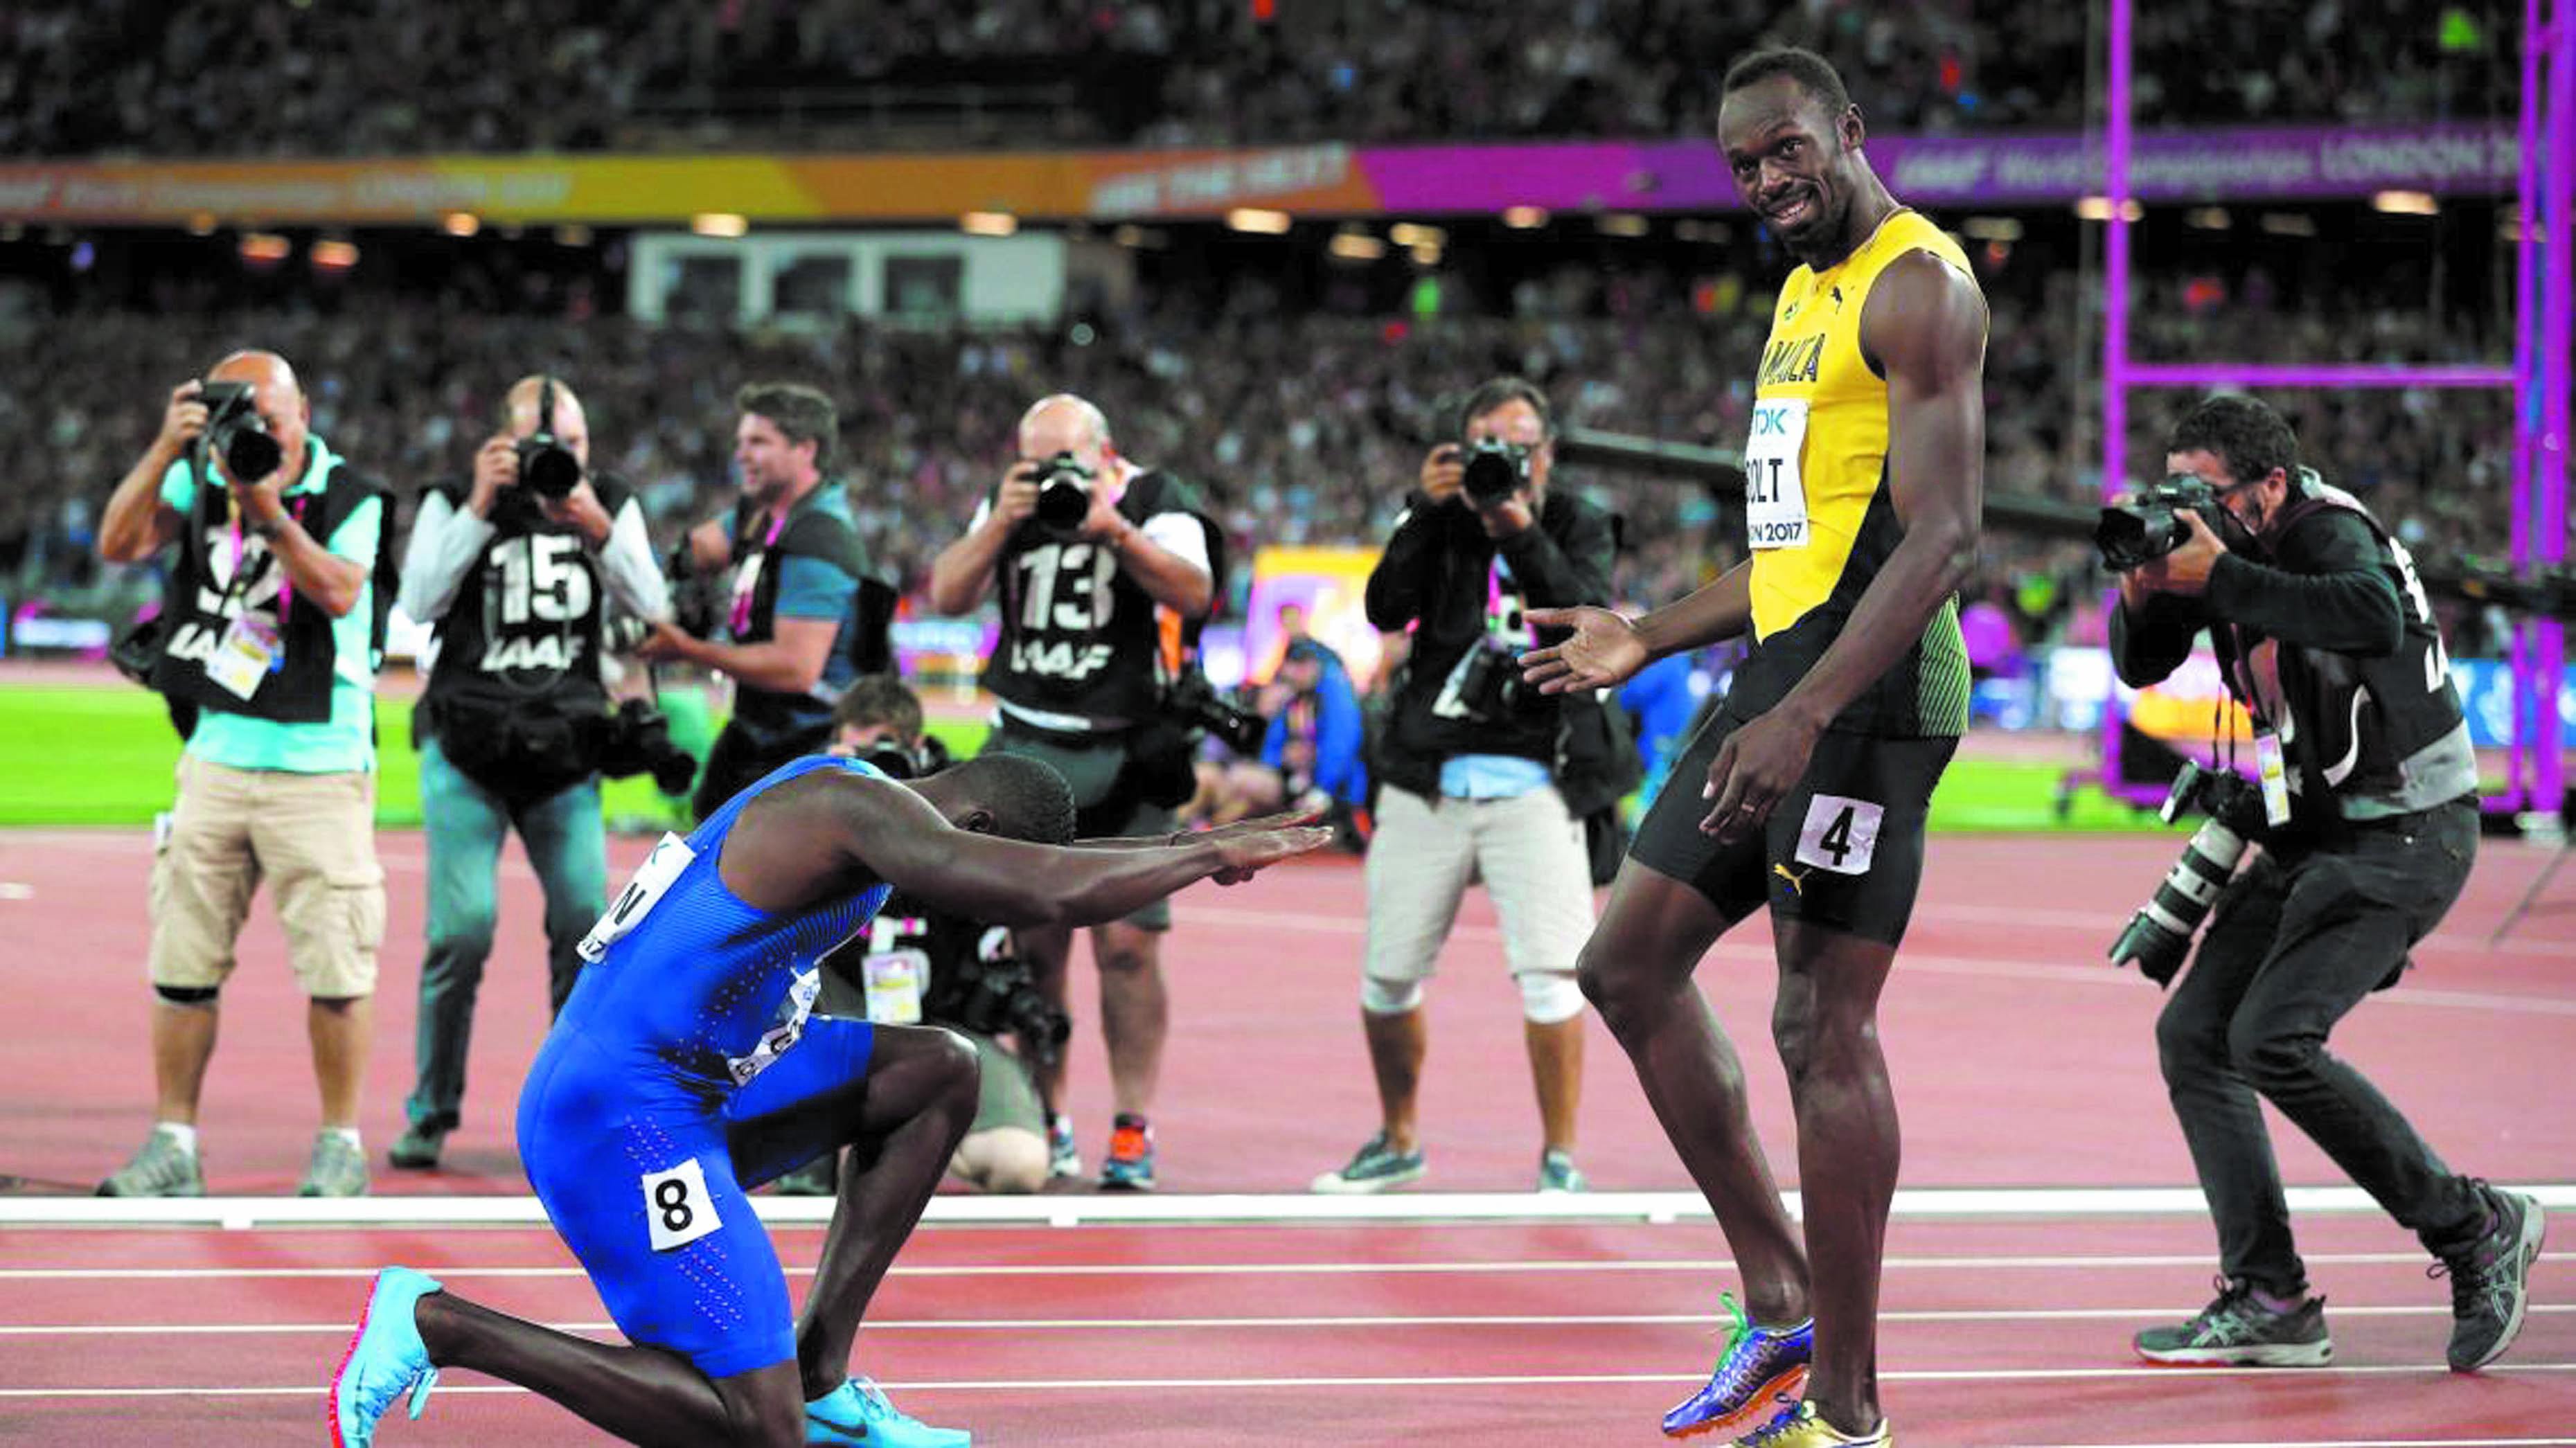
1818,513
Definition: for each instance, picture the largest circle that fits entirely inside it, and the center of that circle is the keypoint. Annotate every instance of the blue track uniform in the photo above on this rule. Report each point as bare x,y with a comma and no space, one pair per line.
677,1037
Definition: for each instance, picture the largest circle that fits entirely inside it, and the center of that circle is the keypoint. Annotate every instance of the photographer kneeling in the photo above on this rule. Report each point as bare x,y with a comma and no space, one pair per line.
514,570
2368,820
919,965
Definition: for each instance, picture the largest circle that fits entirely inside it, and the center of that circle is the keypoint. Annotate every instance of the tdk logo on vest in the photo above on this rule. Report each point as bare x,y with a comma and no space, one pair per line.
1793,361
1772,421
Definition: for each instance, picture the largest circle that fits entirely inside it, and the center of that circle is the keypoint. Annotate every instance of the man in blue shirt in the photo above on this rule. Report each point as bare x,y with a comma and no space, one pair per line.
792,628
689,1066
274,603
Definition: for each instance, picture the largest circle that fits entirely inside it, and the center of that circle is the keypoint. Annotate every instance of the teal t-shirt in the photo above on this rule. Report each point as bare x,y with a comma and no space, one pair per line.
346,741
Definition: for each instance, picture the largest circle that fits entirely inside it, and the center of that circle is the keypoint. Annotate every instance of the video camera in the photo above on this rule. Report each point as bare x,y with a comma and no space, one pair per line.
2159,936
237,433
1491,470
1194,703
1064,493
2146,527
546,467
637,740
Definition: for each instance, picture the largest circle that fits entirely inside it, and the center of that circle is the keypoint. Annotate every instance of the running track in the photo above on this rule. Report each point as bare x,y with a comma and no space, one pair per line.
2023,1064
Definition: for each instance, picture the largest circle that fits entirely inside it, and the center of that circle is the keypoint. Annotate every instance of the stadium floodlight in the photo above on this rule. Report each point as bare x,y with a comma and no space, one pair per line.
1258,219
1356,246
719,223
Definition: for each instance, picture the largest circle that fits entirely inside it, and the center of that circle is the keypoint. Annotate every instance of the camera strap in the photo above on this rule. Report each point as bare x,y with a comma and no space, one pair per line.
746,579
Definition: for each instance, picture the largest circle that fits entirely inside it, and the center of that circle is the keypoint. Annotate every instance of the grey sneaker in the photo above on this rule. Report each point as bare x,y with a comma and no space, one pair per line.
2237,1331
1558,1173
1377,1167
2491,1279
1064,1158
417,1148
160,1168
338,1168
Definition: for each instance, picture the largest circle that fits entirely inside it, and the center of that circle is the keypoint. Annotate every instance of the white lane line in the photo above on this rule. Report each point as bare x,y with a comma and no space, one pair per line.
1229,1269
1242,1208
1950,1316
1023,1385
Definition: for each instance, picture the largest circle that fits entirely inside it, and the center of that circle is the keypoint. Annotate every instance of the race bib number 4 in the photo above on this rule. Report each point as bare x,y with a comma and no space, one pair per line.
677,1210
1840,835
1775,498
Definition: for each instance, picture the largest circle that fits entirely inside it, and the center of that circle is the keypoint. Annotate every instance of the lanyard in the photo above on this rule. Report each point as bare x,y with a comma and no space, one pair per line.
237,583
748,578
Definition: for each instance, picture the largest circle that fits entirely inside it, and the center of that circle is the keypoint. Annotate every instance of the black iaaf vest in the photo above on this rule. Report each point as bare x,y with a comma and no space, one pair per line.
205,599
2386,730
1079,636
810,533
527,618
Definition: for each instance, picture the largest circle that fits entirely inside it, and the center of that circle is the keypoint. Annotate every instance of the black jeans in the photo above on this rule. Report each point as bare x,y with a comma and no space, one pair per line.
2297,941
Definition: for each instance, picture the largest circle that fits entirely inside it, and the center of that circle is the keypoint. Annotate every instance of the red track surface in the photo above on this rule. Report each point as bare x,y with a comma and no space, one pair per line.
2021,1060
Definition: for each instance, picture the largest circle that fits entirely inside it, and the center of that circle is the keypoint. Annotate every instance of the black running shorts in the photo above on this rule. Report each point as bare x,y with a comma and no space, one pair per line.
1843,850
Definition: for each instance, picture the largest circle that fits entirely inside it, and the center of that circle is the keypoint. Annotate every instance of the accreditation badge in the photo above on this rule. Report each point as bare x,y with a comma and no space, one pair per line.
247,652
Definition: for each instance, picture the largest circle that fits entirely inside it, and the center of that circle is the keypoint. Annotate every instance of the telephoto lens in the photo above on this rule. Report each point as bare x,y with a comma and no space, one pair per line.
2159,935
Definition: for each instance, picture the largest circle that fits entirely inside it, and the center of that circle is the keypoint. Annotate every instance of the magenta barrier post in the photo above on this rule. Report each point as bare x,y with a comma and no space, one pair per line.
2544,320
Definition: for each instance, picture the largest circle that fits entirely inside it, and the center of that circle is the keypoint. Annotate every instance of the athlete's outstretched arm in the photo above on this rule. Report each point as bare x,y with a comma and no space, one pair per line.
1605,648
1924,329
807,838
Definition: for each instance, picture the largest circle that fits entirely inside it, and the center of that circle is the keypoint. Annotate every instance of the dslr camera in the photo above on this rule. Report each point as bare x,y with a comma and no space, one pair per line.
698,600
1195,704
2145,528
1064,493
1491,470
1490,685
2159,936
237,433
546,467
894,761
637,740
995,998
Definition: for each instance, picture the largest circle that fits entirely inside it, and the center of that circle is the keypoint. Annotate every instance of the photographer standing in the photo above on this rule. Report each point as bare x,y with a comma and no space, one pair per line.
2369,822
806,614
1482,778
514,569
1091,552
278,597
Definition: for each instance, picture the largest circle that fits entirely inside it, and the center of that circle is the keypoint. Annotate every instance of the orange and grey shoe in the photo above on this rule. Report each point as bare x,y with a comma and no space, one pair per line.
1760,1375
1129,1166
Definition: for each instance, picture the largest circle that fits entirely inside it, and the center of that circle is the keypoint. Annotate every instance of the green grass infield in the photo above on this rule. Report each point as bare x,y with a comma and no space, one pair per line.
104,756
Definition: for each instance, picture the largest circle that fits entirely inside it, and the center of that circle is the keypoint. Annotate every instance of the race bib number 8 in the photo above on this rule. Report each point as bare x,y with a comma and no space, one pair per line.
670,856
1775,498
677,1209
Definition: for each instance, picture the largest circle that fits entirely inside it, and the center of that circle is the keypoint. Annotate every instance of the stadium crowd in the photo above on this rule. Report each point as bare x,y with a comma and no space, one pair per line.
1302,425
382,78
